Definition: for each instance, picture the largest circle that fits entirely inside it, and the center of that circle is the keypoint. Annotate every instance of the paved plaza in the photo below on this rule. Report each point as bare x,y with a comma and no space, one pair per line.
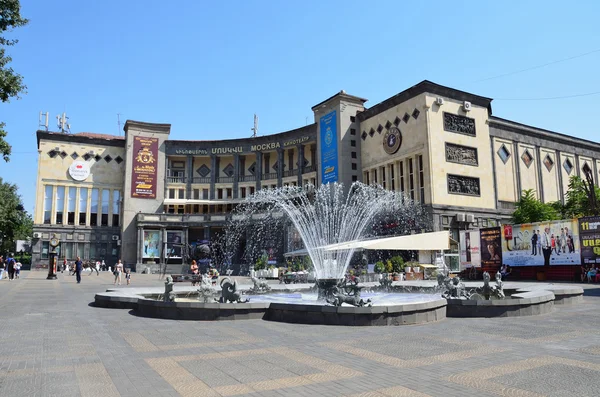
55,344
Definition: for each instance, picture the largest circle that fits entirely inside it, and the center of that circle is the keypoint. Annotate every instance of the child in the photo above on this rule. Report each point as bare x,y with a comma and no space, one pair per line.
128,276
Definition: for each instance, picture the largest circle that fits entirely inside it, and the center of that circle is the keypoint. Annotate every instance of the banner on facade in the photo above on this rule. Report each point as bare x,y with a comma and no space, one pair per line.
151,244
144,167
470,251
589,234
174,245
329,148
542,243
490,241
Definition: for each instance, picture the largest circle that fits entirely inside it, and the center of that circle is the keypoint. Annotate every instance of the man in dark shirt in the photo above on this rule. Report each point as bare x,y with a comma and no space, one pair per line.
534,240
78,269
10,266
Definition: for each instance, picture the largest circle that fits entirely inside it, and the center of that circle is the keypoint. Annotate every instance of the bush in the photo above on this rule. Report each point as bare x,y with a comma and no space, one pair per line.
397,264
389,268
379,267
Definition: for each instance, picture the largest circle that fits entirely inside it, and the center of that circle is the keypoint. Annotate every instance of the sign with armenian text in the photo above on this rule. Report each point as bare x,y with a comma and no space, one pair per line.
144,167
329,148
589,234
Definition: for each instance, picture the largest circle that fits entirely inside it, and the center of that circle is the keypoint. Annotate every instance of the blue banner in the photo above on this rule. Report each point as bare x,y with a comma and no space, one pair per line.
329,148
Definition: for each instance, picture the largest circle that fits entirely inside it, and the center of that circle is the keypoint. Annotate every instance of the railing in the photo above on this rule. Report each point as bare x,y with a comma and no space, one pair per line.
269,175
310,168
506,205
175,179
224,179
290,172
247,178
204,179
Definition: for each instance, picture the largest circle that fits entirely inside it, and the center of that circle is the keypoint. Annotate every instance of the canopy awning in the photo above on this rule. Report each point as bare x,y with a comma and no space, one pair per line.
433,241
427,265
302,252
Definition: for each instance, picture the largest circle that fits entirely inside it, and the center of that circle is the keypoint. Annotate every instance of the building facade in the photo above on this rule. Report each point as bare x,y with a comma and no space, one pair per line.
141,196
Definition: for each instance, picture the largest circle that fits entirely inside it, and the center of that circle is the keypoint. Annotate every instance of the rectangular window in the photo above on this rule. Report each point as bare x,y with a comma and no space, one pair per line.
81,250
83,207
392,179
67,250
94,208
411,179
196,194
375,176
116,208
105,197
181,209
181,194
243,192
93,257
367,177
383,177
354,166
71,200
252,190
354,178
352,143
171,193
45,249
48,204
204,194
421,180
402,177
353,155
352,131
60,204
229,193
171,209
220,194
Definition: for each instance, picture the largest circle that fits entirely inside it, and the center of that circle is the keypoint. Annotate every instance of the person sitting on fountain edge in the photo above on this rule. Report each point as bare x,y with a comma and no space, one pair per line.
505,271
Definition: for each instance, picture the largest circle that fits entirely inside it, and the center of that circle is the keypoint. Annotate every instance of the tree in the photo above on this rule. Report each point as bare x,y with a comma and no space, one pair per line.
15,223
11,83
529,209
577,199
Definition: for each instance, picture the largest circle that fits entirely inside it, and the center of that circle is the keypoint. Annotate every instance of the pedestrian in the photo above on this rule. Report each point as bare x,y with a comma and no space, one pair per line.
18,269
10,266
534,238
64,266
103,265
128,276
98,267
2,266
78,269
117,272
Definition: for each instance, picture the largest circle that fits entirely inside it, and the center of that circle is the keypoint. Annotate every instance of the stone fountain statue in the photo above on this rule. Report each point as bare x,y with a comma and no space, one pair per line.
206,292
169,295
488,291
385,282
229,292
260,285
452,288
348,292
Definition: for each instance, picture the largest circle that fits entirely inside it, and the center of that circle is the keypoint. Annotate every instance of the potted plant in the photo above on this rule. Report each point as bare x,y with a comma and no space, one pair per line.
379,267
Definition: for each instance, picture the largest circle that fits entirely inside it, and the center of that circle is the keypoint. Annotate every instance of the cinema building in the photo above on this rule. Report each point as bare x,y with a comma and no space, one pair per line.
139,195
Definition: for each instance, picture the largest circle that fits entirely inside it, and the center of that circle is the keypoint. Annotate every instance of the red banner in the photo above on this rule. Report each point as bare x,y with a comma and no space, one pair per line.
144,168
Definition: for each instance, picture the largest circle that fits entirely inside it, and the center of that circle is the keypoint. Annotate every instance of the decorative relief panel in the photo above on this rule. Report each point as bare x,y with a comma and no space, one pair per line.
465,185
459,124
461,154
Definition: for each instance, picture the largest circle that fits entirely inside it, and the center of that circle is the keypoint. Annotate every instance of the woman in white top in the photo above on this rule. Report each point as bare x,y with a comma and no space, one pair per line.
118,271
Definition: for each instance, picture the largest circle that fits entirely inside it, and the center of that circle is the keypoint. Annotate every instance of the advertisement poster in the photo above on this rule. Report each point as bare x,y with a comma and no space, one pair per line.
589,233
541,244
489,242
174,246
144,167
151,244
470,252
329,148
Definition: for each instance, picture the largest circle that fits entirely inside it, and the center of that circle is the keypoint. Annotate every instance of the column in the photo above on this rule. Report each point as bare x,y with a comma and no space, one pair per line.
279,167
166,194
558,164
495,179
300,150
577,165
388,177
163,251
236,175
88,214
213,175
595,169
539,172
190,176
140,244
517,158
258,170
185,243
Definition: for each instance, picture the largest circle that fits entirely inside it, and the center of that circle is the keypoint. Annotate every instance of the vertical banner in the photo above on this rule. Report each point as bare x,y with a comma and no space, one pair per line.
174,246
329,147
541,244
470,252
589,234
151,244
144,167
490,243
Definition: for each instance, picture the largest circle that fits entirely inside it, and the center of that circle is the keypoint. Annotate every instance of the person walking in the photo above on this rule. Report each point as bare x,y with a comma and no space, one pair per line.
18,270
2,266
117,272
128,276
78,269
10,266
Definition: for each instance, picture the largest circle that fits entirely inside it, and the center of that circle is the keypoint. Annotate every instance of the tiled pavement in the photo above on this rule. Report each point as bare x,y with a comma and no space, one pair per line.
54,344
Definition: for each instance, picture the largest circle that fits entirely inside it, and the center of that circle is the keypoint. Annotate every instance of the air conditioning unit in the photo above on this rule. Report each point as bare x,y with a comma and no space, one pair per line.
119,243
115,237
470,218
37,235
439,101
460,217
57,148
467,106
91,153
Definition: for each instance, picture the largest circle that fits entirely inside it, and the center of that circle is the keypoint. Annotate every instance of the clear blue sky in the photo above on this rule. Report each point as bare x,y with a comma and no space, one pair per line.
207,67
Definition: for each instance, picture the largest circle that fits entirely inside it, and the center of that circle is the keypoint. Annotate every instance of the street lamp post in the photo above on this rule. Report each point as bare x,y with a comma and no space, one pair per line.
53,258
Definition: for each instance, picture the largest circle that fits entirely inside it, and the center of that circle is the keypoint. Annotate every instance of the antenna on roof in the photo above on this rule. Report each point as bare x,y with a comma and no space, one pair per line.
255,129
45,123
119,123
61,121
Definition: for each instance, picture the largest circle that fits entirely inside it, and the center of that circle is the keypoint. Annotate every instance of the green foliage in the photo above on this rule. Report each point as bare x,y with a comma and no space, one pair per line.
389,268
397,264
529,209
15,223
261,262
379,267
577,202
11,83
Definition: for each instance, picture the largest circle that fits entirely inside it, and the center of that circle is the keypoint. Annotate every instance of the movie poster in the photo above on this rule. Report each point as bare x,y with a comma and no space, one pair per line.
470,252
490,247
201,251
589,234
144,167
542,243
151,244
174,245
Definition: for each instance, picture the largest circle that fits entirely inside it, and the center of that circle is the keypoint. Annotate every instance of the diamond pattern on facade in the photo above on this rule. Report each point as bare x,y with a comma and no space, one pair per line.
416,113
228,170
586,168
548,162
406,117
379,128
119,159
568,166
63,154
87,156
305,162
74,155
203,171
364,135
252,168
504,153
388,125
371,132
52,154
98,158
397,121
107,158
527,158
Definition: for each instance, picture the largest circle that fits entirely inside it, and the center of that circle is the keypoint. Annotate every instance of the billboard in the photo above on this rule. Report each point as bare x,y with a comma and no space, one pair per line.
589,234
329,147
144,167
174,246
470,252
541,244
151,244
490,243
